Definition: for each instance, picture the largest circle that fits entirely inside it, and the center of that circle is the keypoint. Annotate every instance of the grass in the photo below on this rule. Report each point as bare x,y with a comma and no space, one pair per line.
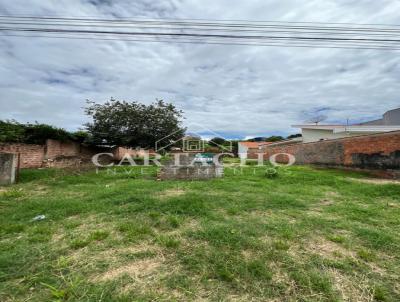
302,235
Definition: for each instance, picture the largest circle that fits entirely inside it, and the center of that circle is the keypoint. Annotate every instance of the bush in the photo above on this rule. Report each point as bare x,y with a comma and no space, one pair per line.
14,132
271,172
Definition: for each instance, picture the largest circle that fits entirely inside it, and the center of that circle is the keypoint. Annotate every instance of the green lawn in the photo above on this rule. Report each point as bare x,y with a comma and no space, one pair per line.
306,235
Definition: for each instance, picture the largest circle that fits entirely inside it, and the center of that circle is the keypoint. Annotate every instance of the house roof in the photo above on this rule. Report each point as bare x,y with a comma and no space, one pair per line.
254,144
350,128
295,140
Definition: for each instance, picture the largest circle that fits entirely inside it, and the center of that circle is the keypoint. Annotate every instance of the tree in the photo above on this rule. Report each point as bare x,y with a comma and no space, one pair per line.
274,138
133,124
217,141
294,135
81,136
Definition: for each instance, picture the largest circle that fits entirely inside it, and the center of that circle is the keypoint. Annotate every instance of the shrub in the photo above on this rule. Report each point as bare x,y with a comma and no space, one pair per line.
271,173
12,131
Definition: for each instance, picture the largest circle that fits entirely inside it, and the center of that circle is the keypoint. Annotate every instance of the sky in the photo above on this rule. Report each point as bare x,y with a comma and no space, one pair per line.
235,91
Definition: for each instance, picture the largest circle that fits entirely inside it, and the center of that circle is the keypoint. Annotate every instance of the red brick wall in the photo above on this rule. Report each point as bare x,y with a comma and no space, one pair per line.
54,153
32,156
120,152
56,148
376,151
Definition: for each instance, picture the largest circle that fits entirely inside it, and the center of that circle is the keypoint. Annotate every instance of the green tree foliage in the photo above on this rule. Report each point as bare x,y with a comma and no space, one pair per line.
39,133
12,131
217,141
294,135
134,124
274,138
81,136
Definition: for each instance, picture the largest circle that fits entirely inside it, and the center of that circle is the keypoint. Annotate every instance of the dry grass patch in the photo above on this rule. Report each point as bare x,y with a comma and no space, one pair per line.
139,270
351,289
171,193
322,247
376,181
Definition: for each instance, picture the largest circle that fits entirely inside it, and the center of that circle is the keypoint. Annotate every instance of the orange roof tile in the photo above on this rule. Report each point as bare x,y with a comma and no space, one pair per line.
254,144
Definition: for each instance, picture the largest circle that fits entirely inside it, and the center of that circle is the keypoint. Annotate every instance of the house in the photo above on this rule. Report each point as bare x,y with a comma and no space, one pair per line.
245,148
390,118
313,133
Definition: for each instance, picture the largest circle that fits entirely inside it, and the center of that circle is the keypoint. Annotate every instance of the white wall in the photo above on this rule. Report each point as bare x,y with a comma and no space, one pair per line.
315,135
242,151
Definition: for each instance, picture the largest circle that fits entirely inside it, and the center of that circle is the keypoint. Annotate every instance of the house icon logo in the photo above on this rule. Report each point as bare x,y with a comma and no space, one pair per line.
192,142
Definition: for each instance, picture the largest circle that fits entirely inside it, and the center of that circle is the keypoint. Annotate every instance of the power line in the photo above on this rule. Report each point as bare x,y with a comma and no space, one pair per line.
217,32
139,19
213,42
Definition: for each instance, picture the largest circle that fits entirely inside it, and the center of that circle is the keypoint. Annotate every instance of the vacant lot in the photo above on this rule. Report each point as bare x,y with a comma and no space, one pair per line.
306,235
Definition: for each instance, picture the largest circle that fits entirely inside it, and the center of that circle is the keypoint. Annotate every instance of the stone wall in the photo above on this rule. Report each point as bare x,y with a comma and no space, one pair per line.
8,168
376,151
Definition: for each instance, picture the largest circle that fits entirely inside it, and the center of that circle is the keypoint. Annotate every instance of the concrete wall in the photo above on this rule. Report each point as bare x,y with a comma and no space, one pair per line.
242,150
314,135
392,117
373,123
375,151
8,168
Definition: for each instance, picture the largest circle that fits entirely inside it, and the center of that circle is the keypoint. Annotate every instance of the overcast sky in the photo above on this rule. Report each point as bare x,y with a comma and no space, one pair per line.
238,91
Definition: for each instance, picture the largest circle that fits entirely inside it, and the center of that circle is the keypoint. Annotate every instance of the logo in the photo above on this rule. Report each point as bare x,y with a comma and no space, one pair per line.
193,142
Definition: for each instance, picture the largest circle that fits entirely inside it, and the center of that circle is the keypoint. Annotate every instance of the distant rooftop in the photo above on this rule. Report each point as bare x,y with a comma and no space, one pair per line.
254,144
351,128
390,121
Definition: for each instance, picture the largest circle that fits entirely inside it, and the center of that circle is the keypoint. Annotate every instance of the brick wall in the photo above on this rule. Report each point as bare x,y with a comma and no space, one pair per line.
376,151
31,156
56,148
52,154
120,152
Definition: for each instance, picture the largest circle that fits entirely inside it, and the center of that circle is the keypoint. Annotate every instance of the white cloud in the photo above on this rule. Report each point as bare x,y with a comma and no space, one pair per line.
234,90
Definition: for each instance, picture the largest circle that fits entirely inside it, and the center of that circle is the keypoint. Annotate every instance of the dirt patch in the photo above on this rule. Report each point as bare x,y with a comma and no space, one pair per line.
376,181
57,238
332,194
40,190
326,202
